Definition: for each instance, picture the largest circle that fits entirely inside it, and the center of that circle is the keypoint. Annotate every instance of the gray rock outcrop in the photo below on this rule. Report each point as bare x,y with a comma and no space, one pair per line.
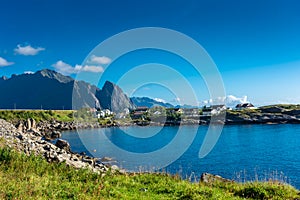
63,144
210,178
32,142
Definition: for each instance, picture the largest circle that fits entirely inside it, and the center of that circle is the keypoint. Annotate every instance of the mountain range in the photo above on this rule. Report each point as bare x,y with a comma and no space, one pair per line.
148,102
48,89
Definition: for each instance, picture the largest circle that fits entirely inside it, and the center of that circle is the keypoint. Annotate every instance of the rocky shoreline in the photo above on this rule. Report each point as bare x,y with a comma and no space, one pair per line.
263,115
29,138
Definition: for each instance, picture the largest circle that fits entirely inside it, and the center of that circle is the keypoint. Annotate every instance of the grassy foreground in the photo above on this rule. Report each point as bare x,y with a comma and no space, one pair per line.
23,177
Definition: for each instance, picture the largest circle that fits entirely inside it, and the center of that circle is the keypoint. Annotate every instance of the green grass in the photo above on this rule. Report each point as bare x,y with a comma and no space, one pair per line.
23,177
285,106
38,115
46,115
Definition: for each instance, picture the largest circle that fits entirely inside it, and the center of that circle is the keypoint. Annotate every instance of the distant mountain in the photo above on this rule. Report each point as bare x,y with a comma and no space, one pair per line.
148,102
186,106
48,89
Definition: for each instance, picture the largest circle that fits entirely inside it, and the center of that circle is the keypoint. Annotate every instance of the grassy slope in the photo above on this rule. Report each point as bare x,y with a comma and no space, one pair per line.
23,177
38,115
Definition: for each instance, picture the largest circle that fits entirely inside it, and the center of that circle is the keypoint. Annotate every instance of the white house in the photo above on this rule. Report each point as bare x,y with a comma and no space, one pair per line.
103,113
242,106
213,110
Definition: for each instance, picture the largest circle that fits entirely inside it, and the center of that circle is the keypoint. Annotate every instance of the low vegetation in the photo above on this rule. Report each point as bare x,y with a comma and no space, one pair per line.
284,106
37,115
23,177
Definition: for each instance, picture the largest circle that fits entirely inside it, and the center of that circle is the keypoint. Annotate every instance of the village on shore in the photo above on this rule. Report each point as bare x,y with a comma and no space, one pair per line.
243,113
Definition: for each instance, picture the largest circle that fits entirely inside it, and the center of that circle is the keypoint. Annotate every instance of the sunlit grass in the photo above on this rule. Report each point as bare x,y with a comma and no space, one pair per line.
38,115
23,177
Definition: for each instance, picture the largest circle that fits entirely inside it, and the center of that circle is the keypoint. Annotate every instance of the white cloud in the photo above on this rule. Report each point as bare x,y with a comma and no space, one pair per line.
160,100
229,101
63,68
89,68
28,72
102,60
233,101
4,62
28,50
67,69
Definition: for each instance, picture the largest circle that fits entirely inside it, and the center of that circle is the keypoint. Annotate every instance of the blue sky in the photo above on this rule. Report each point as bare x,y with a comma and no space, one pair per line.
255,44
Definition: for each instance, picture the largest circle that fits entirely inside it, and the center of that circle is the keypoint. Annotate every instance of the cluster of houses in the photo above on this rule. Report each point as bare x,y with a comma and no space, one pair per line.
99,113
140,112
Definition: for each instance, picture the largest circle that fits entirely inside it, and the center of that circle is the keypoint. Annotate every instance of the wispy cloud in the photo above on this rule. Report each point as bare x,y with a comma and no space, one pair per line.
102,60
229,101
67,69
4,62
28,50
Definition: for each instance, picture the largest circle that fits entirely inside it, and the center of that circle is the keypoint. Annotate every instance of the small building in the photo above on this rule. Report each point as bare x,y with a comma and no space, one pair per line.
103,113
213,110
141,109
191,112
157,113
139,112
206,111
242,106
175,110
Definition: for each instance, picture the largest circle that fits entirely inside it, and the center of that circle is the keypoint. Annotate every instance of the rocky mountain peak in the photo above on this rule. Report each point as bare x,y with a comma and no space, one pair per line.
113,98
54,75
109,86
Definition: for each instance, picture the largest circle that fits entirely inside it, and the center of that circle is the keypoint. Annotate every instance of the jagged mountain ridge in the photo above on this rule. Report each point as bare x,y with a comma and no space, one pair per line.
148,102
48,89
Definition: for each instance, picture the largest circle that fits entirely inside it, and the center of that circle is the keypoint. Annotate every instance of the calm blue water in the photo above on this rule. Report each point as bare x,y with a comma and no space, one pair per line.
243,152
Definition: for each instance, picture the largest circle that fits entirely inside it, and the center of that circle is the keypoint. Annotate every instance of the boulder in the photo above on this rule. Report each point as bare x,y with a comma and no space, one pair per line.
114,167
55,134
63,144
210,178
106,159
33,123
20,126
28,124
88,160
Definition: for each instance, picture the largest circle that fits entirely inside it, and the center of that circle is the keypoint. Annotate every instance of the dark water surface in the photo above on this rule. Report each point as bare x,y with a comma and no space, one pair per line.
243,152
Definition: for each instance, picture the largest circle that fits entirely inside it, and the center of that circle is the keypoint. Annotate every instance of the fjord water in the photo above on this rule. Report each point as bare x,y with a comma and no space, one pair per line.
243,152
